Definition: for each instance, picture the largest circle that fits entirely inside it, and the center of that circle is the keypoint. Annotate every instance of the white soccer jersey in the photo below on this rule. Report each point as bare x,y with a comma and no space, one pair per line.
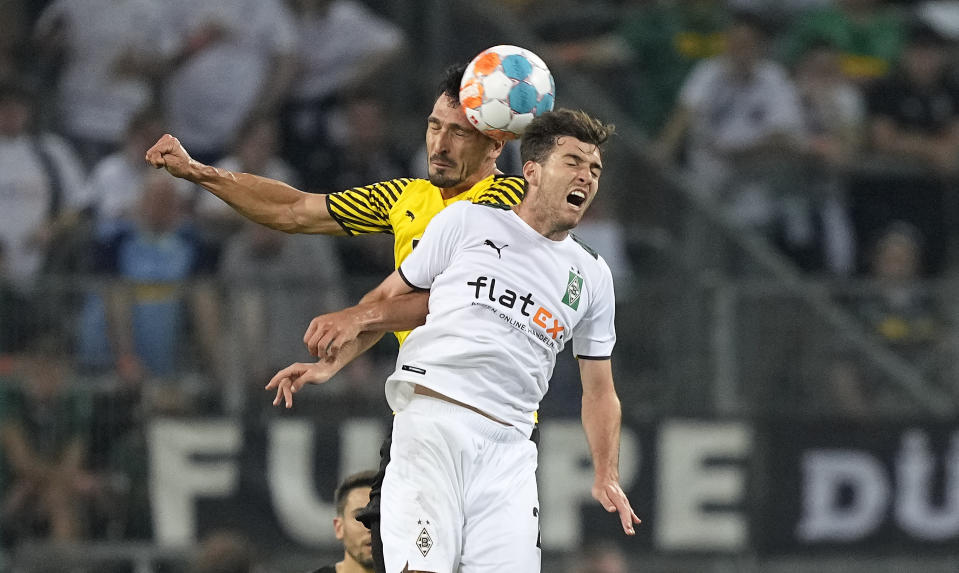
504,300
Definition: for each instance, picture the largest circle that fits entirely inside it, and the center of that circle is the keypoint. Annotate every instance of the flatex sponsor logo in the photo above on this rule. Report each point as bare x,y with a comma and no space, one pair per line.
542,317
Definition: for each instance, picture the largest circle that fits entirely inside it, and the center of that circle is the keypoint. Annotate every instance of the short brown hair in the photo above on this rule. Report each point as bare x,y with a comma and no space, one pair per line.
541,134
351,482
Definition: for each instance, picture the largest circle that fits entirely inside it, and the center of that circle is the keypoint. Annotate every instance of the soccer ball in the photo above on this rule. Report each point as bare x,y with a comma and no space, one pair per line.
504,88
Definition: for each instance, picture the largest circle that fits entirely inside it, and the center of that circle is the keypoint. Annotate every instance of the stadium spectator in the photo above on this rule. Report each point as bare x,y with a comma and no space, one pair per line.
742,116
109,52
900,311
833,115
150,258
914,123
112,190
667,40
342,47
868,33
237,60
44,433
40,183
352,495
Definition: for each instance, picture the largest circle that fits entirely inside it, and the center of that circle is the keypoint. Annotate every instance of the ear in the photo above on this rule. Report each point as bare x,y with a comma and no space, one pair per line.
496,149
338,527
531,172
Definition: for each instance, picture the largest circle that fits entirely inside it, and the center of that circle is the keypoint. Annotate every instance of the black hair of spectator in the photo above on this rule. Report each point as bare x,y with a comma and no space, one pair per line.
762,26
349,483
450,86
922,35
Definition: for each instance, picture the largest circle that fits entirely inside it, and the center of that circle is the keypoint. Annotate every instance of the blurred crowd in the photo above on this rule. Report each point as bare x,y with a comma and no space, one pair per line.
830,127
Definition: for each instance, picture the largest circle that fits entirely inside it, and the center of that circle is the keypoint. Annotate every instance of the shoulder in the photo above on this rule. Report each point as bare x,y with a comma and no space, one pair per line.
502,190
593,263
385,192
592,252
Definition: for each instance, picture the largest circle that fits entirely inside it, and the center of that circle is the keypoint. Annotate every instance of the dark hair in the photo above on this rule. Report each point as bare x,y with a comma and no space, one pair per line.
753,21
450,86
922,35
541,134
351,482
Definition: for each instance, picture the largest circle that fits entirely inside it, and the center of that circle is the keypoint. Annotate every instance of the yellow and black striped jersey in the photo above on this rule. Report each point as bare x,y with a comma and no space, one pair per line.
403,207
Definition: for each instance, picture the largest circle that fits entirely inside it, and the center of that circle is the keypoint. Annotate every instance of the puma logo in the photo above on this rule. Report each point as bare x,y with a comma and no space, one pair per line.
410,214
499,254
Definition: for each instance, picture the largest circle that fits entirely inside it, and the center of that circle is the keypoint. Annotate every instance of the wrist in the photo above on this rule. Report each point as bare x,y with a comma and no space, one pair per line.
201,173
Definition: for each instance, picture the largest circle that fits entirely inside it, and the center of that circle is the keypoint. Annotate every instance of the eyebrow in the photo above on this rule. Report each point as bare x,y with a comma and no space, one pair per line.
581,159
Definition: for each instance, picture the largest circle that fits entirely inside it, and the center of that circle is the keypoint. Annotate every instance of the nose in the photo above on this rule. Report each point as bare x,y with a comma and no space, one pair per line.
440,143
585,175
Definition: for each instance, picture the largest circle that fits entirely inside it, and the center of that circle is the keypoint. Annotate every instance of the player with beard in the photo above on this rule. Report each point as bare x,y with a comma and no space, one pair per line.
351,496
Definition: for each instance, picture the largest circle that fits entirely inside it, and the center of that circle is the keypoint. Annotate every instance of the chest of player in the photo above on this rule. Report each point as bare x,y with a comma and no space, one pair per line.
410,215
537,288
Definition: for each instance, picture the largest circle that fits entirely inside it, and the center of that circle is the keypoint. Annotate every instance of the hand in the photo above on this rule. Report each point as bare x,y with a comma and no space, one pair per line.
288,381
168,153
328,333
613,498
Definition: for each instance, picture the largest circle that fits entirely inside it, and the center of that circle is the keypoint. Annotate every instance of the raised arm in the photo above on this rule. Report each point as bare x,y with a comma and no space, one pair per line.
601,421
265,201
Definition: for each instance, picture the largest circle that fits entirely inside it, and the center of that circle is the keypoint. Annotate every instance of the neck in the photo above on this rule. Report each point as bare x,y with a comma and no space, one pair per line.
539,222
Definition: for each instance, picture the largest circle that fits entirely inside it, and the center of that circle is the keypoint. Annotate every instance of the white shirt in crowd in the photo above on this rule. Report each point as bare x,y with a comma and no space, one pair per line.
731,114
95,101
26,193
210,95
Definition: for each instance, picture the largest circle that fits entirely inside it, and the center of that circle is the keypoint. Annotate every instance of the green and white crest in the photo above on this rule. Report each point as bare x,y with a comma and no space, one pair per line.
574,290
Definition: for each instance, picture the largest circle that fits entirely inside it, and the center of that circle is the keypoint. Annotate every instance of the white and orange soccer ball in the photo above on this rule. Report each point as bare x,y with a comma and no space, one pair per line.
504,88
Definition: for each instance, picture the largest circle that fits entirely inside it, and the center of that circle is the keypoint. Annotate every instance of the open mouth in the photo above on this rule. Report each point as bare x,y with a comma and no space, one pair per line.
576,198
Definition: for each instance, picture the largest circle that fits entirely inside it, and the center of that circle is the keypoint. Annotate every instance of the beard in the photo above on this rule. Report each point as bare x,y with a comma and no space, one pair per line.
363,558
445,181
448,178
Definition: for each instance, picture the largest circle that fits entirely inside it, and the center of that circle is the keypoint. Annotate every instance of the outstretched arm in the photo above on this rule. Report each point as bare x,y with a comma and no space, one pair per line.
265,201
601,420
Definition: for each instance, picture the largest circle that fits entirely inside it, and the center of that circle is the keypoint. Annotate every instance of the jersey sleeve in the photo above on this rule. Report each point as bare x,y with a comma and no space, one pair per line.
362,210
434,252
503,191
595,335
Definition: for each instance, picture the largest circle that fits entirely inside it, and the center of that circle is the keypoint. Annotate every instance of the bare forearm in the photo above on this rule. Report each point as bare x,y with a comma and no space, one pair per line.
267,201
601,421
403,312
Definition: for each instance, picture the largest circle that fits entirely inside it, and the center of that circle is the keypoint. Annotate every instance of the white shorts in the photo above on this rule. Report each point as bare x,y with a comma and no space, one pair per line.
459,493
